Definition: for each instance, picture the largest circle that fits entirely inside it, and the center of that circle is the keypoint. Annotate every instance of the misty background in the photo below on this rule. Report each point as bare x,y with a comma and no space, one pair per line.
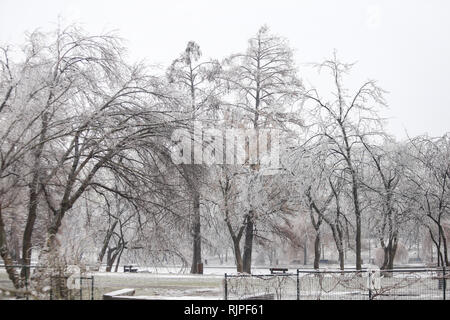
401,44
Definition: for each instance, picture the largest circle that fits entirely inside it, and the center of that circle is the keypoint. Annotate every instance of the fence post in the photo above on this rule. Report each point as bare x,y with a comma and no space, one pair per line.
225,288
370,283
298,285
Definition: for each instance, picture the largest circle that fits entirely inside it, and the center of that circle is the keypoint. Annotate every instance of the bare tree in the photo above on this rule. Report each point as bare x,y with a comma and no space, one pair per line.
388,170
196,78
429,179
88,107
264,82
341,122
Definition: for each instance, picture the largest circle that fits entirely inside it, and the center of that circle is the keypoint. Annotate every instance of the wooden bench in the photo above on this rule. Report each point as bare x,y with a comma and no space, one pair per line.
124,294
278,270
268,296
129,269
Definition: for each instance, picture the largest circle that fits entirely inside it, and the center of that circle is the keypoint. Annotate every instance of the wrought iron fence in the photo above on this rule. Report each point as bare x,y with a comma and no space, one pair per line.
250,287
368,284
60,286
71,288
428,284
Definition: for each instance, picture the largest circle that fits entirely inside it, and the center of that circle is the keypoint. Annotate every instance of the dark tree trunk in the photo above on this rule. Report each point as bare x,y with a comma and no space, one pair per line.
33,200
316,224
248,244
5,254
392,251
236,241
355,196
238,257
197,240
385,254
109,261
317,251
444,245
438,244
339,240
15,244
118,259
305,253
341,259
28,233
358,242
106,242
111,257
389,254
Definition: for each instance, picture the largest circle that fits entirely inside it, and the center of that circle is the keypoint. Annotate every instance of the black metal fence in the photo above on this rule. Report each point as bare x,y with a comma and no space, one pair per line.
302,284
71,288
60,286
281,286
399,284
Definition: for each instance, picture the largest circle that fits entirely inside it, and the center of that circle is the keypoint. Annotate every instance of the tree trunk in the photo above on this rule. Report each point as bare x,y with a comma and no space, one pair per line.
317,251
238,257
392,252
385,254
48,257
305,253
341,259
358,242
109,261
439,257
28,233
111,257
118,259
106,243
4,253
248,245
197,240
236,240
316,225
339,241
33,200
444,244
15,244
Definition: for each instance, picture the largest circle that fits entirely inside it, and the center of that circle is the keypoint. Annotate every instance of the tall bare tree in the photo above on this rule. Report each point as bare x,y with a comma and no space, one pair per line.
341,122
264,82
196,79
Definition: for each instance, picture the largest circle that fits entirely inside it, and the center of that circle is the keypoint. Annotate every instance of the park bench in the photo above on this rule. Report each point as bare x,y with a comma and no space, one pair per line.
278,270
123,294
267,296
129,269
327,261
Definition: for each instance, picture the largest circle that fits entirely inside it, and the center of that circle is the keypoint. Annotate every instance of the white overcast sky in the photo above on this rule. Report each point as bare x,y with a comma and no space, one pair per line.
405,45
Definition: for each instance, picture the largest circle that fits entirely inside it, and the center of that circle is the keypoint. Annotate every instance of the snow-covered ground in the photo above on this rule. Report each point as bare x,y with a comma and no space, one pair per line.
176,283
207,270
